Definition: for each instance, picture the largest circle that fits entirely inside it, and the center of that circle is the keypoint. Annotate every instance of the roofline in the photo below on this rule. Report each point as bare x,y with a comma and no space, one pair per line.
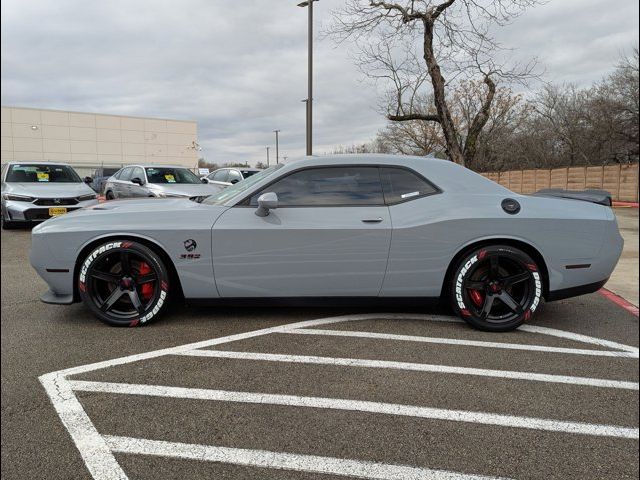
103,114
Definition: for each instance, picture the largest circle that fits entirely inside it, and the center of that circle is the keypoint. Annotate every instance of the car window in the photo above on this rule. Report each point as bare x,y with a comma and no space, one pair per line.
171,175
400,185
107,172
329,186
234,175
221,175
239,189
39,173
248,173
125,175
138,173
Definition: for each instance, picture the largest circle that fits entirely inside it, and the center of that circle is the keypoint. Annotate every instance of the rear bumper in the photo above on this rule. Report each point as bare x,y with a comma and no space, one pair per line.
575,291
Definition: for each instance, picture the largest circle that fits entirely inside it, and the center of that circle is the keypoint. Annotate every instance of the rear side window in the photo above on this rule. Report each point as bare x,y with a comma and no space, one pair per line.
125,175
346,186
221,175
400,185
234,176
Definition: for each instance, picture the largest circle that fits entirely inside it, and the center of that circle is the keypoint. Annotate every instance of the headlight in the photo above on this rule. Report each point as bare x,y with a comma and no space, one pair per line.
84,198
17,198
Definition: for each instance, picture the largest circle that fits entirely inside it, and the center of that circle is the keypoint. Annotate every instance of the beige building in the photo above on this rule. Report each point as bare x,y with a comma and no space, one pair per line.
88,140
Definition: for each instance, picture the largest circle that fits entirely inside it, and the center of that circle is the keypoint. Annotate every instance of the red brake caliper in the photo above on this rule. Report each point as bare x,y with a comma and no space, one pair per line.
476,297
147,288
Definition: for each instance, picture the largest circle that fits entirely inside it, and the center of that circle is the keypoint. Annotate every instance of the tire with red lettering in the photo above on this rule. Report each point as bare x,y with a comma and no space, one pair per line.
123,283
496,288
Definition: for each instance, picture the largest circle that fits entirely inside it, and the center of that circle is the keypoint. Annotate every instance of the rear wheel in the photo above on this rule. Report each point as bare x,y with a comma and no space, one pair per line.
109,195
496,288
124,283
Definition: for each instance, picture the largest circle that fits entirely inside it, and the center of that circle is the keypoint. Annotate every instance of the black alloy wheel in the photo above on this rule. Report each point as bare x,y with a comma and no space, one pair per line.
496,288
124,283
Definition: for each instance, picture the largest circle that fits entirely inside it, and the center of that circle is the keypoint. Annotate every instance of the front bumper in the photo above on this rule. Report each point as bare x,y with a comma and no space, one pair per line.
56,299
15,211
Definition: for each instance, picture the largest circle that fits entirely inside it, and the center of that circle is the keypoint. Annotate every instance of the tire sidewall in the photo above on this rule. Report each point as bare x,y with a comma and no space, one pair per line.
113,246
465,267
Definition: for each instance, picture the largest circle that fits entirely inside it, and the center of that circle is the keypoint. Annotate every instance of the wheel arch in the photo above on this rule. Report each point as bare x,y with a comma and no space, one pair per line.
526,247
156,247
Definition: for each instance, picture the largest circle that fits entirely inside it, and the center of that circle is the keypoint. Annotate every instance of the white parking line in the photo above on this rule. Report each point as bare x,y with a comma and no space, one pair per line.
416,367
282,461
97,450
628,353
358,406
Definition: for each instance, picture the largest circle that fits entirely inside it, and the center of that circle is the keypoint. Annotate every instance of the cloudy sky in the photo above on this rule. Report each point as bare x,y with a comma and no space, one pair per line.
239,67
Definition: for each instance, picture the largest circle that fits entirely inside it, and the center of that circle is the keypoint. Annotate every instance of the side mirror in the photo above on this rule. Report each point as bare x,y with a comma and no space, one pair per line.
266,201
88,180
204,180
137,181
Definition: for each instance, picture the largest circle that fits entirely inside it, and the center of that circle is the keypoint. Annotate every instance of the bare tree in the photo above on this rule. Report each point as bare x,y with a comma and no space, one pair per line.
454,34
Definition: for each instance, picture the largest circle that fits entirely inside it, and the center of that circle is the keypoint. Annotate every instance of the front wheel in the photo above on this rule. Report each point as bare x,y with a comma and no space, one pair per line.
109,195
496,288
124,283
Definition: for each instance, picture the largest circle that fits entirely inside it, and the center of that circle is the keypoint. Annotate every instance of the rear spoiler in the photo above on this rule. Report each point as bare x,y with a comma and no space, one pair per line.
600,197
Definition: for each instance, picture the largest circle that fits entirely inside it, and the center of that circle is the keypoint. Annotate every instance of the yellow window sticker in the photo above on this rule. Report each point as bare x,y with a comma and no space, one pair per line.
43,176
170,178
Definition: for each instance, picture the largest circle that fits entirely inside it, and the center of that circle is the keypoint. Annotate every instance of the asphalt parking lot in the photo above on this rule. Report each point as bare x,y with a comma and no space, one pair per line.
313,392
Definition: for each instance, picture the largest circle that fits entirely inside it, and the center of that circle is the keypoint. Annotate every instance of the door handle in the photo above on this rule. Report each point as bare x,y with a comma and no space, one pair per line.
372,220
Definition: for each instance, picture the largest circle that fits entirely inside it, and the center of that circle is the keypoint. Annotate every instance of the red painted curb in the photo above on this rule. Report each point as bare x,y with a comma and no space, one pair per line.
625,204
618,300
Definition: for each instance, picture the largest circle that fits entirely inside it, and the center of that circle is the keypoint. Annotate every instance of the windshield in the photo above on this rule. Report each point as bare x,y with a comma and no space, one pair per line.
171,175
34,173
228,193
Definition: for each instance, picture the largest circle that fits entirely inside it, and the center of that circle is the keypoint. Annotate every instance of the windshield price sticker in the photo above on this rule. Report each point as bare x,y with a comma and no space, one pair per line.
170,178
43,176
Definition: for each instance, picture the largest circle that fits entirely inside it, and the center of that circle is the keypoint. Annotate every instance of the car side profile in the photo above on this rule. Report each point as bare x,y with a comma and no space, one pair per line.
141,181
229,176
35,191
375,226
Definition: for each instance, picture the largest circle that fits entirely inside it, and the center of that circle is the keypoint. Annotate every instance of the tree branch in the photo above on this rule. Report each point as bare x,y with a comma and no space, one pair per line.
414,116
406,15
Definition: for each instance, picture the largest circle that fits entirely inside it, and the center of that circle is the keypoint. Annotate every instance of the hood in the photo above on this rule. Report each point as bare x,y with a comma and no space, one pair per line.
135,215
47,190
185,189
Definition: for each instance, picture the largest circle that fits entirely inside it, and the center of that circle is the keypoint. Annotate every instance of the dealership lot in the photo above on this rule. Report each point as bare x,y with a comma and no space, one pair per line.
403,395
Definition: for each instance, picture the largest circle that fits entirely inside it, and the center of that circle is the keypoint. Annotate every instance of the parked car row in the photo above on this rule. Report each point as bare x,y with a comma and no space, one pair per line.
135,181
36,191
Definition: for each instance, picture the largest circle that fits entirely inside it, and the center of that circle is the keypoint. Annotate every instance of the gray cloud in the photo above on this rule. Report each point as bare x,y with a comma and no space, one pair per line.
239,68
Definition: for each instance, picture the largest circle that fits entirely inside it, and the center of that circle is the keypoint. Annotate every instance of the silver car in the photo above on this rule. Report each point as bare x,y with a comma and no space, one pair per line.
374,226
229,176
36,191
139,181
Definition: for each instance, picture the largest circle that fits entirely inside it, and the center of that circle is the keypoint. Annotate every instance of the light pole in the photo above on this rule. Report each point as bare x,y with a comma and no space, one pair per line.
277,151
267,156
309,5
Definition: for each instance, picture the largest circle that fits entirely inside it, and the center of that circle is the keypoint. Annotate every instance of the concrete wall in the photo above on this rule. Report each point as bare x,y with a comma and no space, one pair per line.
88,139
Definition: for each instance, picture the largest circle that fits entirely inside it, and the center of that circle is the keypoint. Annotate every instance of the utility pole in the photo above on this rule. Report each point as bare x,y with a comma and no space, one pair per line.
309,101
277,151
267,156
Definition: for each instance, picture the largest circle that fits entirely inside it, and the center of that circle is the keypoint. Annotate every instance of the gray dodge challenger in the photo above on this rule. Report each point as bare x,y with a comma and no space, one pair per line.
378,226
